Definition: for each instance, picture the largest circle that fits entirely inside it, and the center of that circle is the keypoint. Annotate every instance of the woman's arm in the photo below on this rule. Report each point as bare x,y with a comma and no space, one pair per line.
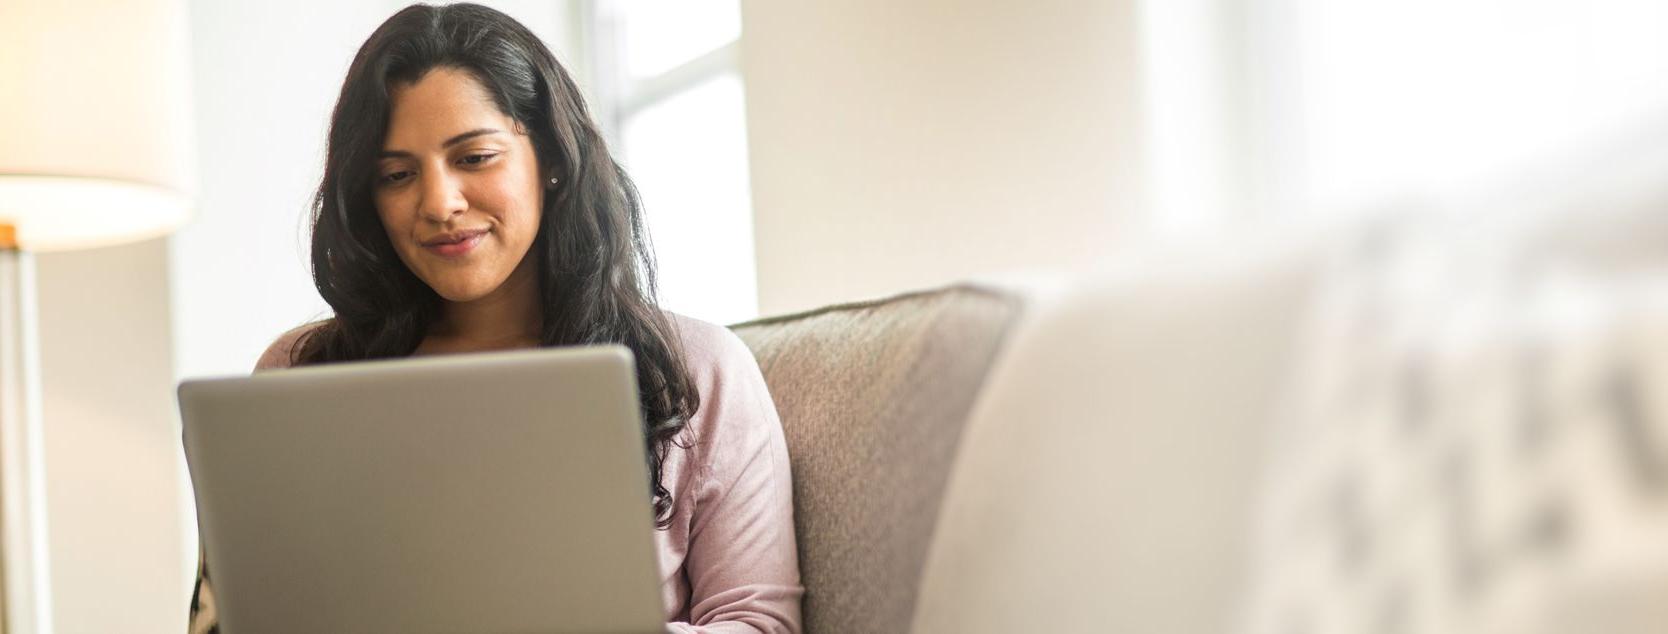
743,563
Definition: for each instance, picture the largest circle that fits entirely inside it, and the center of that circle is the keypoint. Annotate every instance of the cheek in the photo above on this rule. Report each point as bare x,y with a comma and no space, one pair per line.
520,212
391,221
397,217
528,223
398,227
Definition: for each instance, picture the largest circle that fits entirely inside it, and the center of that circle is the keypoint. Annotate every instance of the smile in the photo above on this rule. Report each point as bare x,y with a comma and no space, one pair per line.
455,244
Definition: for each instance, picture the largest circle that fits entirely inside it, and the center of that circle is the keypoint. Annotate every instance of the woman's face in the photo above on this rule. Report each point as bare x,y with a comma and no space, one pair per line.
457,187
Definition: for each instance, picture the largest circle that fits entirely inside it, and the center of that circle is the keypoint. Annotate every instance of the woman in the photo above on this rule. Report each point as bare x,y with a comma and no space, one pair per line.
468,204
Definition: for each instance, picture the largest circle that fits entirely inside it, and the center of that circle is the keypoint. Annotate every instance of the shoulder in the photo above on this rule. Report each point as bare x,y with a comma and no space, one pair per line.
281,353
738,441
734,397
709,348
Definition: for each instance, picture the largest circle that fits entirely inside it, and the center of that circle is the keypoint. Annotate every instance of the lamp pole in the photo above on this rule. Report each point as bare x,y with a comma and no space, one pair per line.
94,151
26,582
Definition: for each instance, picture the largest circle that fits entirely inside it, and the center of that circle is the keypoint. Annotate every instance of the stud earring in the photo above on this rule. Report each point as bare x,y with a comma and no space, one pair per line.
553,181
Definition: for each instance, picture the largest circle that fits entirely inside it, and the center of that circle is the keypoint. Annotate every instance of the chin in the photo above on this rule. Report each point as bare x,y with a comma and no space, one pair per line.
459,291
459,297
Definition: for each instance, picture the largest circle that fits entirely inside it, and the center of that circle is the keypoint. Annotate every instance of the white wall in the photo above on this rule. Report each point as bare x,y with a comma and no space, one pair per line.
112,444
900,144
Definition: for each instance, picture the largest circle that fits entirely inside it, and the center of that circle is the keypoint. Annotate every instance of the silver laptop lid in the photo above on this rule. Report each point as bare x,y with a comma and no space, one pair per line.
502,492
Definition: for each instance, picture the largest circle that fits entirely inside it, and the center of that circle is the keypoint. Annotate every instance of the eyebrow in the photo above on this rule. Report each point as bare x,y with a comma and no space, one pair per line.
448,143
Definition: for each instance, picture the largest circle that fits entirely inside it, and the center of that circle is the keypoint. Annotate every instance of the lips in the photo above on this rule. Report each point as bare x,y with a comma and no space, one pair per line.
455,243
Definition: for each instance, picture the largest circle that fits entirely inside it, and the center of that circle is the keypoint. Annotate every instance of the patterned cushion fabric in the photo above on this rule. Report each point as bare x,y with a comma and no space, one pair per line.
873,397
1478,441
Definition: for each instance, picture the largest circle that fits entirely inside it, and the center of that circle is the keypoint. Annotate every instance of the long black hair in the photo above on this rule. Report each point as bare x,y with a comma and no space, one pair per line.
595,268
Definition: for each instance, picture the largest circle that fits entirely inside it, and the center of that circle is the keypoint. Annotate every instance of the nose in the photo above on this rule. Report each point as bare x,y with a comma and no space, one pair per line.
442,198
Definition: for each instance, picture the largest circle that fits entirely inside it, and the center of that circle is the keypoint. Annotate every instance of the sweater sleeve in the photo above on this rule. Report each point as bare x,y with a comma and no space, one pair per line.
743,564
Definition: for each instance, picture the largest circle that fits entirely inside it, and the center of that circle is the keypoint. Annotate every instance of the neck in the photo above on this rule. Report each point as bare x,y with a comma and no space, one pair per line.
508,317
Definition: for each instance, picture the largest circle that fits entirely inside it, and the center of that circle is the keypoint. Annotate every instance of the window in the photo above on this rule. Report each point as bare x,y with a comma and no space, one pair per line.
668,92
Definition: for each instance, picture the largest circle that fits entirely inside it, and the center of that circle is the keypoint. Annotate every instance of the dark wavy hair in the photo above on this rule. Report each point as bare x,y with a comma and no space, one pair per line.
595,268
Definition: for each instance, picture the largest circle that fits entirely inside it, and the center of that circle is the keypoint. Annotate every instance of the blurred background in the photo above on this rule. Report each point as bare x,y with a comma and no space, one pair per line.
796,154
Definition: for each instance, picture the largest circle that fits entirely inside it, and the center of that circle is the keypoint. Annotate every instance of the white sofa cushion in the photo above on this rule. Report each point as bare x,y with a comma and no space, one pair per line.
1104,477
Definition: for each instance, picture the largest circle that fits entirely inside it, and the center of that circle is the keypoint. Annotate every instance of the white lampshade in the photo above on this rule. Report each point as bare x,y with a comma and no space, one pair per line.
95,122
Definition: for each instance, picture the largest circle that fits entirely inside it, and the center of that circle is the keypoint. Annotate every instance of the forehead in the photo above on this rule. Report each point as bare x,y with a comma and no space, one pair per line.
440,104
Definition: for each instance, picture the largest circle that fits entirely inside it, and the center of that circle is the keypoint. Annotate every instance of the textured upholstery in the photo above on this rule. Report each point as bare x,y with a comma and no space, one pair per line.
873,397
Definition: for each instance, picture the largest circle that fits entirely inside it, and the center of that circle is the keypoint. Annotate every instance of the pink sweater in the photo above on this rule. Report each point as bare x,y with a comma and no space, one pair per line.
728,563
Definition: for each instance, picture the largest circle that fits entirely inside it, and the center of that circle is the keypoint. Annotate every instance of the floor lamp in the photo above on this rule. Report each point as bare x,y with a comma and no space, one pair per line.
94,140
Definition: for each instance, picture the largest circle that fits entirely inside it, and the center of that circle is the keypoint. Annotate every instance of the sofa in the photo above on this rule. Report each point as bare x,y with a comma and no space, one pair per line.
874,397
942,441
1448,418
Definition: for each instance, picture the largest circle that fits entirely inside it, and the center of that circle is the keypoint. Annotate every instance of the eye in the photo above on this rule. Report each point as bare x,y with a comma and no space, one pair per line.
394,178
476,159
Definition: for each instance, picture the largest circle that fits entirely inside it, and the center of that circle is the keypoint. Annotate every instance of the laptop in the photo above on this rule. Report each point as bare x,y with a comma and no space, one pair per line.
497,493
